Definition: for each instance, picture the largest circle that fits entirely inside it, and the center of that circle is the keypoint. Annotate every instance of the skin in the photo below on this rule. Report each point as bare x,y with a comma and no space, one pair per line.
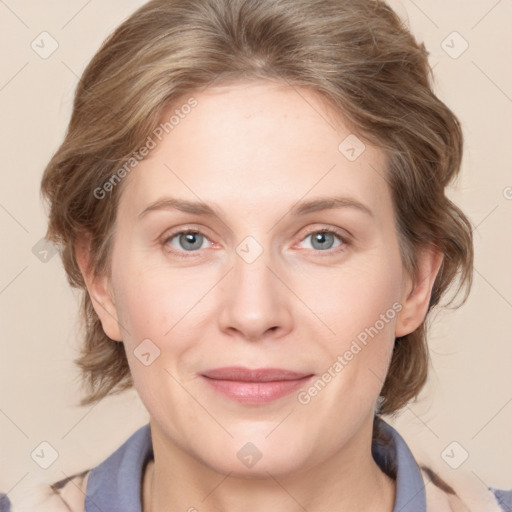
254,150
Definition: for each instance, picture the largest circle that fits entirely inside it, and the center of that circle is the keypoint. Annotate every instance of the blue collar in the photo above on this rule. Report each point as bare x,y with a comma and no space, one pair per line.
115,484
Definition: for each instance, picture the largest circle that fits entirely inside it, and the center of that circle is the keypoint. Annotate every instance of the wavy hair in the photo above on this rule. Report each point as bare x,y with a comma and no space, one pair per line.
357,55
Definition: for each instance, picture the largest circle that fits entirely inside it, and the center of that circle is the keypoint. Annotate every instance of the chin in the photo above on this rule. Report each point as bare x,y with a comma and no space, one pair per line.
254,459
277,464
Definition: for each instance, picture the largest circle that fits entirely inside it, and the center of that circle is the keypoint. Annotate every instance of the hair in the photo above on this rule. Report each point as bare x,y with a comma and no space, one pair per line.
356,55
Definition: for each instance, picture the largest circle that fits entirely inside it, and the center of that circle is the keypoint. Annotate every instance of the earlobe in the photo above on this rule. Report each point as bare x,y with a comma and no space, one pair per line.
99,289
417,291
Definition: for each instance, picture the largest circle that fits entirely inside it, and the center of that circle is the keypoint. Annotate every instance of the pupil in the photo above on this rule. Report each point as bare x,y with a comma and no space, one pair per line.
320,238
192,239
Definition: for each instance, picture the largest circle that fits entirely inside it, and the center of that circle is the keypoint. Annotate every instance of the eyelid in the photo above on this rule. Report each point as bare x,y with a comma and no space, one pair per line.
337,232
169,235
344,238
331,230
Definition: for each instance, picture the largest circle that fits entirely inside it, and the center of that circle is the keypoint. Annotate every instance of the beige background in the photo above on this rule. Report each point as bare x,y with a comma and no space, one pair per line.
469,395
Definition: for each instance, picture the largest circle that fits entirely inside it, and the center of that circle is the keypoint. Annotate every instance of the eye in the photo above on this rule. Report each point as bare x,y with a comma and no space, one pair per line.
323,239
187,240
191,240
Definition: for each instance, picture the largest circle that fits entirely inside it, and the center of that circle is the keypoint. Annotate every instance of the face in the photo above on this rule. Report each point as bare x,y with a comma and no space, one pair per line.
268,277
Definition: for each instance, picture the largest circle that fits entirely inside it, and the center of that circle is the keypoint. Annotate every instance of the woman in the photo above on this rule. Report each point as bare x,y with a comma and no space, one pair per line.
256,132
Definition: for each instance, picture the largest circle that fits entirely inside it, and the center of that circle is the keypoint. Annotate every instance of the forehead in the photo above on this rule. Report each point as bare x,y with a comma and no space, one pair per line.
253,145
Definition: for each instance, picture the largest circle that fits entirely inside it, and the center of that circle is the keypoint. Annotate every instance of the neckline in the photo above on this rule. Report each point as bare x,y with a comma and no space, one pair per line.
116,483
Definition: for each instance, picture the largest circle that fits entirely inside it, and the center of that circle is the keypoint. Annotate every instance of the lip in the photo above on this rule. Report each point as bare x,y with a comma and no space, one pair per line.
254,386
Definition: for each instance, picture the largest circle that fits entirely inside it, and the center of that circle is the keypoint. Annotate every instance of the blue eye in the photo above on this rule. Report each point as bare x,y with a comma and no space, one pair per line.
324,239
188,240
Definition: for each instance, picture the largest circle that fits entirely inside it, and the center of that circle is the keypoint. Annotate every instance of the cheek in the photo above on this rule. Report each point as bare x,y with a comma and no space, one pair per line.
352,298
156,300
164,312
155,306
360,306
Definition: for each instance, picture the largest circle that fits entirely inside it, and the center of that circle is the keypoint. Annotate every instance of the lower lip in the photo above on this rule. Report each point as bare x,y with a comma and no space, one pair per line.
256,392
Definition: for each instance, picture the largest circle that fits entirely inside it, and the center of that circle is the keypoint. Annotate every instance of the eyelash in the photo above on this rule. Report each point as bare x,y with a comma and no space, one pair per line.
331,231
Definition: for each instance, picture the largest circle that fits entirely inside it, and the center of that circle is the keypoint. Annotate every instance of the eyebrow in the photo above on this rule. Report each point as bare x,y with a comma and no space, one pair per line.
300,208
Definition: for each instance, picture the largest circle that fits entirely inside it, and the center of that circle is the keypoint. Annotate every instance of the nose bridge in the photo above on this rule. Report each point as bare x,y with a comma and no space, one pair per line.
255,300
253,279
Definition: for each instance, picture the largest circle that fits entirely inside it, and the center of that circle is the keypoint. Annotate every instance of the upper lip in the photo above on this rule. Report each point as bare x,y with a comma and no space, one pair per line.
242,374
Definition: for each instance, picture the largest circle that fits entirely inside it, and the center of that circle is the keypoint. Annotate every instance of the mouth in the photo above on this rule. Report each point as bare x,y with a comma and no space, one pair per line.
255,386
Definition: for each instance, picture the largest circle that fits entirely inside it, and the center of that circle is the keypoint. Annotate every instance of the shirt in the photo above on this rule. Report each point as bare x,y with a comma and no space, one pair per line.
115,484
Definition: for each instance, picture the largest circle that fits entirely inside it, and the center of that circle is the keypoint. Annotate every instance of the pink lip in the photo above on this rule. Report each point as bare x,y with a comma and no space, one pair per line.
257,386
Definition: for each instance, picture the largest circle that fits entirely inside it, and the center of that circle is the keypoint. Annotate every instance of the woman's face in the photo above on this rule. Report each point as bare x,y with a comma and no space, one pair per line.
258,286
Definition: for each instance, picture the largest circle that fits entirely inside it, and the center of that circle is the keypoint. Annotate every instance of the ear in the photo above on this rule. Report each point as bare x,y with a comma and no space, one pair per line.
417,290
99,289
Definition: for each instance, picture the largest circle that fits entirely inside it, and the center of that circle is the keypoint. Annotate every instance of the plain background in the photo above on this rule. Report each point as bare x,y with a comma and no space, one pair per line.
468,399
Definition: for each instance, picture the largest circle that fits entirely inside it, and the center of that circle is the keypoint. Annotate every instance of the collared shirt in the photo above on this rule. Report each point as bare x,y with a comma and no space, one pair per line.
115,484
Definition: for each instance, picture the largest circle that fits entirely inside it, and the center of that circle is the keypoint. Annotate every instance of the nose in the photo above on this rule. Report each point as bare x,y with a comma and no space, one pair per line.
255,304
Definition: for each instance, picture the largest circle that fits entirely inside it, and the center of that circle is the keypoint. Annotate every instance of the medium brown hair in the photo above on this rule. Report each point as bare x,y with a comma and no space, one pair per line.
357,55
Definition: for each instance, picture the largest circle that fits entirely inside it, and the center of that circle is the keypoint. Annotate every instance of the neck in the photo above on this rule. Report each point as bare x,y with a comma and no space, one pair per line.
346,481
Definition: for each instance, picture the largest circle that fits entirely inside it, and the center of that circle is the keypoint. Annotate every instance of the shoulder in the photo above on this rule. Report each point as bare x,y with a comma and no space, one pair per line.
444,489
459,490
67,495
114,481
